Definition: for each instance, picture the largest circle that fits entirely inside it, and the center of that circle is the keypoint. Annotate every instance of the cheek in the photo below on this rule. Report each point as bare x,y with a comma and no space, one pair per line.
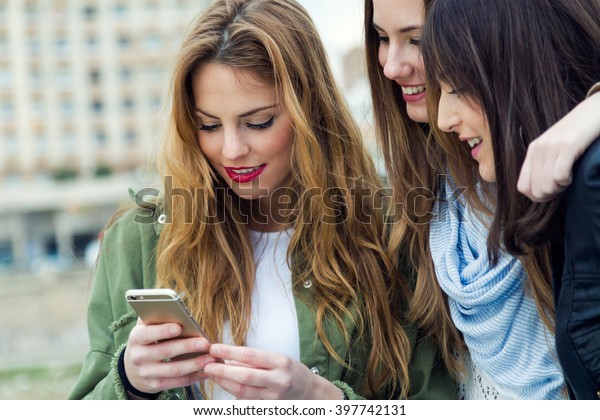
210,149
282,147
382,53
490,165
419,65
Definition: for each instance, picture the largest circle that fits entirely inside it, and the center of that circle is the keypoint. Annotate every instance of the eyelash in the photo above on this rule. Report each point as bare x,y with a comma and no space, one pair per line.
204,127
261,126
381,39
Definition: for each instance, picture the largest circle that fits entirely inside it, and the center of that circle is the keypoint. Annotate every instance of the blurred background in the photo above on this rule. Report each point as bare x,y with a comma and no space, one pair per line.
81,83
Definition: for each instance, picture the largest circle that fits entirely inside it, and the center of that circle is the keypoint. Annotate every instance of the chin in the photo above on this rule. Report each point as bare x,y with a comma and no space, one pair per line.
417,113
487,176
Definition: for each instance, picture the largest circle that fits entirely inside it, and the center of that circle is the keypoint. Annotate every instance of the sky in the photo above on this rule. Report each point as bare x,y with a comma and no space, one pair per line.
338,21
340,24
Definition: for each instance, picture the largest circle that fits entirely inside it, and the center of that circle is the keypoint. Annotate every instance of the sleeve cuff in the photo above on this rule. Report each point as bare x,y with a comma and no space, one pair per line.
349,393
119,388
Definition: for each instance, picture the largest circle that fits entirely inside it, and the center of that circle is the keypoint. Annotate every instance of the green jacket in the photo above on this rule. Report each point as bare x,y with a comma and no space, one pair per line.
127,261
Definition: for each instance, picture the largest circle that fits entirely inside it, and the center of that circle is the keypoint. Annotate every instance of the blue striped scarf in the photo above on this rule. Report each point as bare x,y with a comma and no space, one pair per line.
503,331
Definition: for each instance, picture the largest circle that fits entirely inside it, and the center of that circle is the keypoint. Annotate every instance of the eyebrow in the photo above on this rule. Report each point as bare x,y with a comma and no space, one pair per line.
245,114
402,30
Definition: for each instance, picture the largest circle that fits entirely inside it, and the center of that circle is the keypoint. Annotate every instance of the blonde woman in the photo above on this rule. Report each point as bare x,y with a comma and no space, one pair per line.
270,227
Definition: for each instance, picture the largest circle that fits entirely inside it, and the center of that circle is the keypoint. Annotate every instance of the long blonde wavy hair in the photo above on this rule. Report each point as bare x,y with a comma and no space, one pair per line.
413,161
336,240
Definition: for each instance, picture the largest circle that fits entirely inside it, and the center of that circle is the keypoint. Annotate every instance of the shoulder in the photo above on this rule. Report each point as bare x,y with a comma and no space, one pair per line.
583,196
131,224
586,172
133,229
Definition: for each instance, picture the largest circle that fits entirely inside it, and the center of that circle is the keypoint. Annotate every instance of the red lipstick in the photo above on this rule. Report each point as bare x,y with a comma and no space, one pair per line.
246,176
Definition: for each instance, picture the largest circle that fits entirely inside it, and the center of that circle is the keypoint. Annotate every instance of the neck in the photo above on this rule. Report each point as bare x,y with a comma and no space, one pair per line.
272,213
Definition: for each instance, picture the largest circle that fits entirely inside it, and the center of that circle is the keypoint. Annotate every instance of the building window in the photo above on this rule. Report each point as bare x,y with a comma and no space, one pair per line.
120,10
130,136
38,106
35,76
63,76
41,145
68,141
90,12
92,44
33,46
124,41
67,109
6,253
95,76
5,77
31,10
100,138
125,74
10,143
7,111
97,106
61,46
152,42
3,41
128,104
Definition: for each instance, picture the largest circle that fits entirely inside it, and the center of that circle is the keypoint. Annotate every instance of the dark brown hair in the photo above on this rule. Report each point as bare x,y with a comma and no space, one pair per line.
526,63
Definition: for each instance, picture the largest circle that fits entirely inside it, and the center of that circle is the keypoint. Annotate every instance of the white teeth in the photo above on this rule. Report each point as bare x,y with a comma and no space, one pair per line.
474,141
245,171
412,90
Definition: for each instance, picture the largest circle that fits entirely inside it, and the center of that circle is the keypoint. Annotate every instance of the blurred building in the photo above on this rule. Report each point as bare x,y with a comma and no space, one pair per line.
80,86
355,84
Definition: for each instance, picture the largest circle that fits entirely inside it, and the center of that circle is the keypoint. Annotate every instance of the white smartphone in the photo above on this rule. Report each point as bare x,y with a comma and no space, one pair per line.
158,306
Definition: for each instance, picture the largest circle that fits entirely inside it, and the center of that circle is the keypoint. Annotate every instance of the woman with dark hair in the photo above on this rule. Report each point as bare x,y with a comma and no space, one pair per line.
506,72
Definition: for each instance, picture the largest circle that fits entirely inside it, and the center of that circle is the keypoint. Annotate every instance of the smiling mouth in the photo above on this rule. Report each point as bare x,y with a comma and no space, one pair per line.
243,175
412,90
474,141
245,170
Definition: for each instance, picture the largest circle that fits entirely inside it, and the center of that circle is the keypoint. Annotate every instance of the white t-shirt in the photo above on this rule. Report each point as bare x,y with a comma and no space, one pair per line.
273,320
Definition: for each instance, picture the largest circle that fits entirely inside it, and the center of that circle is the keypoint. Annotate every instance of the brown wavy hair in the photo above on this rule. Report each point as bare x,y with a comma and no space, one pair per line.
336,241
527,64
413,161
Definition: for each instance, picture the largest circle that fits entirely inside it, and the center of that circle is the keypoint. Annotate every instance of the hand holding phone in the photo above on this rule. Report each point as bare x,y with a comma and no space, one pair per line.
159,306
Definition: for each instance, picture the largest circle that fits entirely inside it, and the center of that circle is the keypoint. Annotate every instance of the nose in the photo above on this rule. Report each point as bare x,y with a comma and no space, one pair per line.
234,146
448,120
396,62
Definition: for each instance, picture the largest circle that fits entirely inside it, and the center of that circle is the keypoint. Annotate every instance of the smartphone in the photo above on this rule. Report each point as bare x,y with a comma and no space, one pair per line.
158,306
